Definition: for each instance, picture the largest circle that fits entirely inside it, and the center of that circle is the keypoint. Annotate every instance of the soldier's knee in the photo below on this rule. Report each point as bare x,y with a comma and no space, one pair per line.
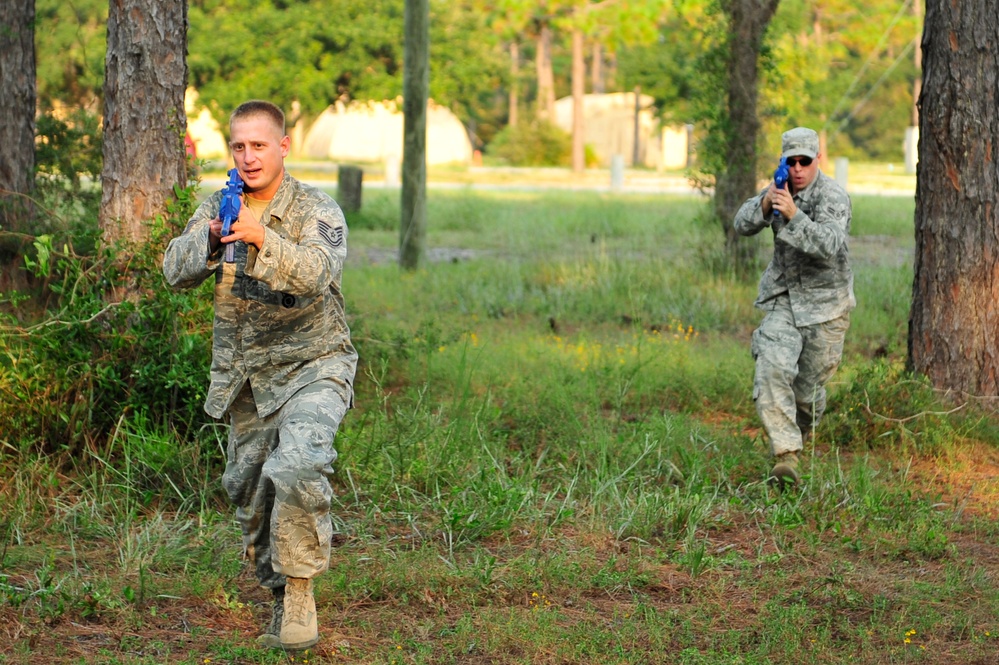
298,485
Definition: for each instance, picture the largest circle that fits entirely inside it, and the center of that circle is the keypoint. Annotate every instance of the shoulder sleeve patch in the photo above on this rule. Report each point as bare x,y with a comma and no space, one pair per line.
332,235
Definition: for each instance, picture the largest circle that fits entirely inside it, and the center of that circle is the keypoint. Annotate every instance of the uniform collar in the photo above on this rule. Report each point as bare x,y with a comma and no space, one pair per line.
806,193
283,197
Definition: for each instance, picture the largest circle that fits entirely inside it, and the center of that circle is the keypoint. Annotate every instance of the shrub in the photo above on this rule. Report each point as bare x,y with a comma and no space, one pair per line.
537,143
884,405
67,164
70,378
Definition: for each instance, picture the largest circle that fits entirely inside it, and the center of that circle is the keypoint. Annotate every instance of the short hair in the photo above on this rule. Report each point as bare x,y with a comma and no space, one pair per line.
259,107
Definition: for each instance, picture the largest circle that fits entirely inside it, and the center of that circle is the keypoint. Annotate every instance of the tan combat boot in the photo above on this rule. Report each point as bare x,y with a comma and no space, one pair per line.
299,628
271,637
785,471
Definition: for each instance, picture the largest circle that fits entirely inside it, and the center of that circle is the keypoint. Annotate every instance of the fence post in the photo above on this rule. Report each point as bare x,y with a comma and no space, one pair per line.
348,188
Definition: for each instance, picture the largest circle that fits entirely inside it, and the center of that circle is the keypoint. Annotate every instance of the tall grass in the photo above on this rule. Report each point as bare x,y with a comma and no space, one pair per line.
554,458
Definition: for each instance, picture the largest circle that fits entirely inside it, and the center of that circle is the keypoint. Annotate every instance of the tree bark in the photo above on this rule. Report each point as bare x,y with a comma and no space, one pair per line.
144,119
917,60
578,92
17,111
954,318
415,92
748,21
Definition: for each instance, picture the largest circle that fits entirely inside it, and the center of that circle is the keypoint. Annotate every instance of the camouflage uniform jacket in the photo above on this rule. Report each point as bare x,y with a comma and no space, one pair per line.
279,314
811,260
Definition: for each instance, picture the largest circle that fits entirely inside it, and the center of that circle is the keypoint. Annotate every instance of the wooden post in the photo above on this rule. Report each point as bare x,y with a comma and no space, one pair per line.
348,188
636,145
415,90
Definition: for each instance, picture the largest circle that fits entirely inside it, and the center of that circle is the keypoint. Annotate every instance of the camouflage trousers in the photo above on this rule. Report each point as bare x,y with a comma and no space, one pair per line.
277,475
793,365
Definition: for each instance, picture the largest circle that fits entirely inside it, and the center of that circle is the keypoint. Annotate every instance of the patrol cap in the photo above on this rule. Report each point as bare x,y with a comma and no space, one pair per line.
800,141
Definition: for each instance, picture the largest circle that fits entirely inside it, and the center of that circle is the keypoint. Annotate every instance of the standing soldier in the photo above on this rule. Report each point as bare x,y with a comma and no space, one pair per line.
282,361
807,294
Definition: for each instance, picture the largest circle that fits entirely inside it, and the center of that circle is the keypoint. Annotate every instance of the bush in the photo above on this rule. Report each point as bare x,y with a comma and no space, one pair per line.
538,143
67,166
883,405
71,377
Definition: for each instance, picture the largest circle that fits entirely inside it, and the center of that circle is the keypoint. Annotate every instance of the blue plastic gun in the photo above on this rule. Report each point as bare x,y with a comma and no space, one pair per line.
229,210
780,179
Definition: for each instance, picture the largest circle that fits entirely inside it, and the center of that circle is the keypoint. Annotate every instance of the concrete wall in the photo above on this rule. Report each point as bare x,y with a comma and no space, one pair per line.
609,128
372,132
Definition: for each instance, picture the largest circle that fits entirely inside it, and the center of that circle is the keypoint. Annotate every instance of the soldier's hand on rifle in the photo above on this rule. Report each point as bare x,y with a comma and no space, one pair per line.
245,228
767,204
214,234
782,200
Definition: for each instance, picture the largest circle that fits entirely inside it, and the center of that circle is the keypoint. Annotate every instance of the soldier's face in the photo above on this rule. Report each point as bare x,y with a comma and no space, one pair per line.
258,150
801,175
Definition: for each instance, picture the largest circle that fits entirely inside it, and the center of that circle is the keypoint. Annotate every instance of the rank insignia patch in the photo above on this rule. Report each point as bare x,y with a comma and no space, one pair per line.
334,236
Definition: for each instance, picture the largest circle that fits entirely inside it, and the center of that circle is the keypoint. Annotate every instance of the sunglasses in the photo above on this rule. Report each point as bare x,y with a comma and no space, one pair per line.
804,161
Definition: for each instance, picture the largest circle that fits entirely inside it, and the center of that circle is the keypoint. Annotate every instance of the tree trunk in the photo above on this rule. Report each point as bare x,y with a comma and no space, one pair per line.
144,119
955,293
415,91
578,91
917,60
748,21
17,111
546,75
597,69
512,118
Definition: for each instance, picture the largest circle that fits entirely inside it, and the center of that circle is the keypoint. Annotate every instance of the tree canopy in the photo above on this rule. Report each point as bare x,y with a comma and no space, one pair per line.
846,66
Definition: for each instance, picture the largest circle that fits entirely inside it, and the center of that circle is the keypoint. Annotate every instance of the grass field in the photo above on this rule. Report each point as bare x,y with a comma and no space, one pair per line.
554,458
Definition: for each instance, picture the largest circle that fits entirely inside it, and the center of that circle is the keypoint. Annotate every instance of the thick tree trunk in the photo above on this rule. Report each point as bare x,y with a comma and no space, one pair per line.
415,91
578,91
748,21
954,320
17,112
144,119
917,60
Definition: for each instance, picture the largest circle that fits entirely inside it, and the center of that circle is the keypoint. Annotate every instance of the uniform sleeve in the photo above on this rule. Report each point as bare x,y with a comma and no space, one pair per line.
825,233
749,220
186,262
308,267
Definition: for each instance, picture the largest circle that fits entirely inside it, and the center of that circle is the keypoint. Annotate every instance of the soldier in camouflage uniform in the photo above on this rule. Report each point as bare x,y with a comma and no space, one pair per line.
282,361
807,294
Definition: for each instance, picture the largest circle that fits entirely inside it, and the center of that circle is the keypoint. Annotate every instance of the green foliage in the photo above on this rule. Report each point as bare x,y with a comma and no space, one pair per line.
883,405
316,53
87,363
70,40
67,164
670,70
69,148
535,143
842,65
353,51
